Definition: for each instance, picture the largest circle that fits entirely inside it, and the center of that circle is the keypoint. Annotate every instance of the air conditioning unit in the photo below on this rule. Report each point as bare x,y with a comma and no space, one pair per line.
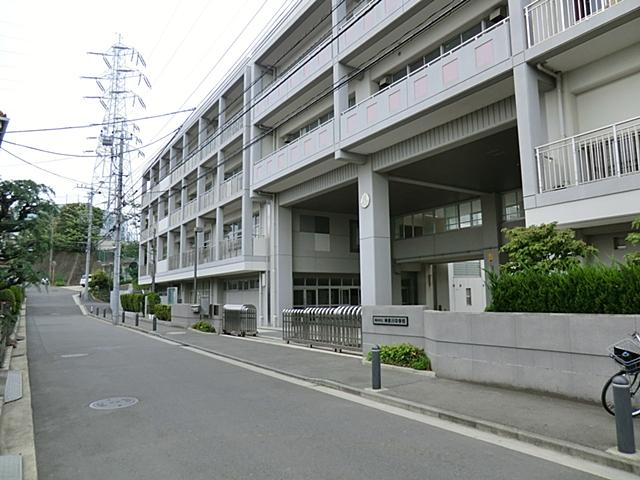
498,15
385,81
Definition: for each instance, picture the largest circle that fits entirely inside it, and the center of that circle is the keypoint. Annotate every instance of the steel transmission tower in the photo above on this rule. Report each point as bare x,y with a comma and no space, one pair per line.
118,140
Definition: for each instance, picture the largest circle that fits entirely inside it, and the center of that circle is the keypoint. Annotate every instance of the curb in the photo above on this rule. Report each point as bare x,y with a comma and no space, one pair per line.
568,448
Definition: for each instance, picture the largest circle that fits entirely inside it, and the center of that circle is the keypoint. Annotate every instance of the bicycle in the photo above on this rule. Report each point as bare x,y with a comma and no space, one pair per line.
625,352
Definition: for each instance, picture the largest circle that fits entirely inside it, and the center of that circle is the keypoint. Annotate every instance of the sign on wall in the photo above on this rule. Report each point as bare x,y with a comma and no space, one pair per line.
391,320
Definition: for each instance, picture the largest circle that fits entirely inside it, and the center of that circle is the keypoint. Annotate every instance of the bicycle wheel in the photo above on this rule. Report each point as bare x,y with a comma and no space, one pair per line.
634,384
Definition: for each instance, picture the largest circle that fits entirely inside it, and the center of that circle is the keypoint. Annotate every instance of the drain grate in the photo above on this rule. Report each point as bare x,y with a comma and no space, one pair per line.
113,403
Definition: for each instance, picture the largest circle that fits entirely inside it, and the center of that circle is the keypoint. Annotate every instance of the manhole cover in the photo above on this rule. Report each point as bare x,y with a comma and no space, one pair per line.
113,403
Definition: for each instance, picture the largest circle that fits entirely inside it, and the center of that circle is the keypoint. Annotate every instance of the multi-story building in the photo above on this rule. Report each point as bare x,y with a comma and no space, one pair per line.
371,152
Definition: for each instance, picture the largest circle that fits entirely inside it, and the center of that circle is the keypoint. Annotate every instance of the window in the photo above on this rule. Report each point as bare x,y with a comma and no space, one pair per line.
619,243
316,291
352,100
354,236
512,206
313,224
315,123
443,219
468,296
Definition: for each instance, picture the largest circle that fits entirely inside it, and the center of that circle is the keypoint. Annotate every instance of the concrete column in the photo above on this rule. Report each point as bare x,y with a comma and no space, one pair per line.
282,265
220,175
530,131
219,232
183,242
222,116
247,204
375,237
517,26
170,244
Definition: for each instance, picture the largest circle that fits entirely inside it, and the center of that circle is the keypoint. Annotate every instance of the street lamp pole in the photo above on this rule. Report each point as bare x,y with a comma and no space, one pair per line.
196,231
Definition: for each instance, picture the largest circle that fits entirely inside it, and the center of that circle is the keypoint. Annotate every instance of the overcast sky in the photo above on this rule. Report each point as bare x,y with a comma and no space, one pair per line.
43,54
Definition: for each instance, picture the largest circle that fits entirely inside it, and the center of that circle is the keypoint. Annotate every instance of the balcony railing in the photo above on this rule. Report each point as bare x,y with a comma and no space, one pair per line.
231,186
589,157
547,18
231,247
190,209
416,91
146,198
207,199
187,259
295,78
207,254
144,234
174,262
230,130
175,218
298,152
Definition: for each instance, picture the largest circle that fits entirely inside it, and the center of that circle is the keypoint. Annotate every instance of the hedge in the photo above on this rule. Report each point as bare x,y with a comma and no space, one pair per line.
162,312
18,293
9,297
153,299
132,302
582,289
404,355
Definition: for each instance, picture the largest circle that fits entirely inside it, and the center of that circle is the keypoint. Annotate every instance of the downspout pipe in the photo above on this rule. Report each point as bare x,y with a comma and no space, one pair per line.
558,77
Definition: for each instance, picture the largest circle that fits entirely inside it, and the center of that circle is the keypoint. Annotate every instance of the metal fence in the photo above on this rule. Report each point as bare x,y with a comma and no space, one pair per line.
336,327
239,319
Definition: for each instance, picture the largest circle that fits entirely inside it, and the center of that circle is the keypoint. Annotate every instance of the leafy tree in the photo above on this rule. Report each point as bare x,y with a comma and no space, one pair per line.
71,227
544,248
634,239
26,212
129,250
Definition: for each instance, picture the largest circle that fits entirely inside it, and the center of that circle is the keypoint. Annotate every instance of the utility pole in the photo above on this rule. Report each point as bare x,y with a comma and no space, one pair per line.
51,262
87,262
115,296
153,261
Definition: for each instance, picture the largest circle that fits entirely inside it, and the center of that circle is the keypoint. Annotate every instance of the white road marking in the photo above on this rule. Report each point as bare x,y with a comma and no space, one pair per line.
175,333
74,355
515,445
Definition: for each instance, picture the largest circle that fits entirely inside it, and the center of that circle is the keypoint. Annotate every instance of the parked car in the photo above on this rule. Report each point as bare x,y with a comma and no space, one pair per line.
83,280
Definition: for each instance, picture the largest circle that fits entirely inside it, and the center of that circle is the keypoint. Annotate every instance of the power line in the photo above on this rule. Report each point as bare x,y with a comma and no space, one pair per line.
40,168
91,125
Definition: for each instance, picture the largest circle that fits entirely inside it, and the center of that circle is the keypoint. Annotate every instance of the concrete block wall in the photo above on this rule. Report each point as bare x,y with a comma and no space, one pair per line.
563,354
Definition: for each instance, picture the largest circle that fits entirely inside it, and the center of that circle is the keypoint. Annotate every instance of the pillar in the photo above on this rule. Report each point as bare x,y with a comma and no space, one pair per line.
375,237
247,203
282,265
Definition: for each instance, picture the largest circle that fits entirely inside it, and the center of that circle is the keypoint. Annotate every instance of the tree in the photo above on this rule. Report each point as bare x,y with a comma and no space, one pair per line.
129,250
26,212
634,239
71,227
543,247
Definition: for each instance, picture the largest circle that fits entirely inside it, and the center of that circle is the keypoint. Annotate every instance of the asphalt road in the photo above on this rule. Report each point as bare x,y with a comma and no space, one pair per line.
199,418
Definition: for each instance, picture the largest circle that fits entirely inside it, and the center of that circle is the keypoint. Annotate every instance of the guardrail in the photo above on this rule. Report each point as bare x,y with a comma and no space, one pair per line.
336,327
589,157
547,18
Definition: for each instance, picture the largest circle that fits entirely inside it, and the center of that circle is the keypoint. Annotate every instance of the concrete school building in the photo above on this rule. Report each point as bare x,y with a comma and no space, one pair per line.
370,152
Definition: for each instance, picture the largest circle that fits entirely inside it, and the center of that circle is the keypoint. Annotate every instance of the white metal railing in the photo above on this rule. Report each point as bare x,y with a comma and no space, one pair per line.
187,258
230,130
174,262
588,157
175,218
207,254
146,198
144,234
210,143
547,18
231,186
231,247
207,199
191,208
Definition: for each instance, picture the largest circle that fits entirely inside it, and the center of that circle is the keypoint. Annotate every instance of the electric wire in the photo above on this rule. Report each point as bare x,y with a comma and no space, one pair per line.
43,169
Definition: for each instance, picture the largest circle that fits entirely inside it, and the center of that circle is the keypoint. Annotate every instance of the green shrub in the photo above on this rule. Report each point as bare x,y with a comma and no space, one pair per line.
7,296
100,281
132,302
153,299
162,312
581,289
404,355
59,282
204,327
18,293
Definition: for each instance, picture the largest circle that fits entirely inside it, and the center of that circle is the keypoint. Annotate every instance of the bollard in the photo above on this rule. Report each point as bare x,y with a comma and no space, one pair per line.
624,417
154,323
137,323
97,311
375,368
122,317
104,312
91,308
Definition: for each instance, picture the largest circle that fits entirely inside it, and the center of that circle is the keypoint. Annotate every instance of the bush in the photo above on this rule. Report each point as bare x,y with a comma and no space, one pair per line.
18,293
581,289
204,327
153,299
162,312
404,355
7,296
59,282
132,302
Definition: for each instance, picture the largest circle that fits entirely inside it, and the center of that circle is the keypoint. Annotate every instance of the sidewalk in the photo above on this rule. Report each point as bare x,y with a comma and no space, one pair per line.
580,429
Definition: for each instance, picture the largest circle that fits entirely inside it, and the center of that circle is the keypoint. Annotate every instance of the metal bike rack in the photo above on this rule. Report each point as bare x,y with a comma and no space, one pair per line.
335,327
239,319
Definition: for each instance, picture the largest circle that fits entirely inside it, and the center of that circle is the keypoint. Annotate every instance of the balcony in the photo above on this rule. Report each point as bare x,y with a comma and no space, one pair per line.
230,130
477,60
207,199
190,209
146,198
175,218
305,150
207,255
611,151
144,235
360,25
174,262
231,187
187,259
294,79
231,247
210,145
547,18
